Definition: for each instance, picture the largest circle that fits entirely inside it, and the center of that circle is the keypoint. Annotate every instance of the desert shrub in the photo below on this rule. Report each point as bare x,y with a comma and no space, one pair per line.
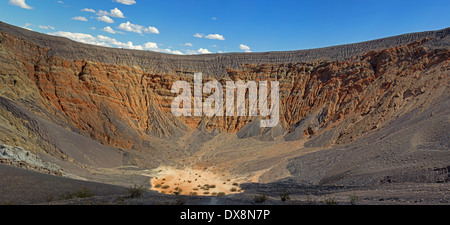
206,193
233,189
354,199
331,201
260,198
177,191
82,193
165,186
310,201
136,191
284,196
221,194
180,201
158,186
235,184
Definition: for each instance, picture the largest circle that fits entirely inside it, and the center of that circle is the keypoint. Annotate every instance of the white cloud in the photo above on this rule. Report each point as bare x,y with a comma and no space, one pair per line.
80,18
137,28
27,25
114,42
244,47
105,19
169,51
131,27
102,13
111,42
150,45
117,13
88,10
177,52
199,51
203,51
188,44
98,40
214,18
80,37
112,13
210,36
110,30
126,2
20,3
151,30
46,27
215,37
197,35
63,4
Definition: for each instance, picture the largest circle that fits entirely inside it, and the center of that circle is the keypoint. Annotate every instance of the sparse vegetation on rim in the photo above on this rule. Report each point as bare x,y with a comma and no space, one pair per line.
83,192
330,201
136,191
354,199
260,198
284,196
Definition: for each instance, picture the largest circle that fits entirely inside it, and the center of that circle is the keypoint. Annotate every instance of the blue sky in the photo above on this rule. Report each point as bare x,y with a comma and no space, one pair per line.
214,26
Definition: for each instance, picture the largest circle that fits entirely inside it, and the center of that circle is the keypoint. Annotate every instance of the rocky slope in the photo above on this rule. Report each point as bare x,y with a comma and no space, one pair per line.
100,107
212,64
20,157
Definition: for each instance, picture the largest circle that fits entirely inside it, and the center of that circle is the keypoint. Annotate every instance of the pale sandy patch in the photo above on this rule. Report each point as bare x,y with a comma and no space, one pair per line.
193,182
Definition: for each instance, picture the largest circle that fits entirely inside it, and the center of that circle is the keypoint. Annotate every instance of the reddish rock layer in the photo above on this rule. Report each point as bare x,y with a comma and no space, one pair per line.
120,105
